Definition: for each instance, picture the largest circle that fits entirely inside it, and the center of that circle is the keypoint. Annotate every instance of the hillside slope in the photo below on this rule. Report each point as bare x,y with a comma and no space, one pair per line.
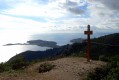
107,45
71,68
76,48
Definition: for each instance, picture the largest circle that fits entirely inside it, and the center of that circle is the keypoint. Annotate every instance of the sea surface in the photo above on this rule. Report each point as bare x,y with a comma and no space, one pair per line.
6,52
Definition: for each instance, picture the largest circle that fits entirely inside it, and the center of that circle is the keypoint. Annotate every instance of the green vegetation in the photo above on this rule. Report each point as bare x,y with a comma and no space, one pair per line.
103,58
108,72
108,54
106,50
17,64
45,67
2,68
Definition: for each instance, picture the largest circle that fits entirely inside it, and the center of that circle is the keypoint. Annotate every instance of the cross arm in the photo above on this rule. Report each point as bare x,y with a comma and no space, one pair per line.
88,32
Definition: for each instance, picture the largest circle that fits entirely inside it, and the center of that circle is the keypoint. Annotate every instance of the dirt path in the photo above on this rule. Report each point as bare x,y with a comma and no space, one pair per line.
72,68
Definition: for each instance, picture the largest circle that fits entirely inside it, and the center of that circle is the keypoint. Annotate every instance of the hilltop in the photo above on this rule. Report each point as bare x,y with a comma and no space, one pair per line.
70,68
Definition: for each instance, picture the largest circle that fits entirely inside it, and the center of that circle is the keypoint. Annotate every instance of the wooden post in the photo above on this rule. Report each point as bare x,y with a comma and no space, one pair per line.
88,33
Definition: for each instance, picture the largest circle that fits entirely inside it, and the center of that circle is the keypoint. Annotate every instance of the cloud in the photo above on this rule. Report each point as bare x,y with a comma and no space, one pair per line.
111,4
73,7
59,15
71,3
76,10
35,9
104,7
39,9
18,25
103,16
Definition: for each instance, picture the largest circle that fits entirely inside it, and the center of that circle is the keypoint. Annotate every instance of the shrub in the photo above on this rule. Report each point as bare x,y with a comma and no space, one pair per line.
98,74
45,67
19,63
109,72
103,58
2,68
113,74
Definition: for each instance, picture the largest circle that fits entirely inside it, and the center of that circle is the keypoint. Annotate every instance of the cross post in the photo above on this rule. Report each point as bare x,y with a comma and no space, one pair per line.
88,33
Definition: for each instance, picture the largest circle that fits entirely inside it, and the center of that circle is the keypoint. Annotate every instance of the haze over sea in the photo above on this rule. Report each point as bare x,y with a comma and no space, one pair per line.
6,52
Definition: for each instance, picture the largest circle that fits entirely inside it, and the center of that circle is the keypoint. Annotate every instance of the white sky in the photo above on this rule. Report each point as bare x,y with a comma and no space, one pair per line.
46,16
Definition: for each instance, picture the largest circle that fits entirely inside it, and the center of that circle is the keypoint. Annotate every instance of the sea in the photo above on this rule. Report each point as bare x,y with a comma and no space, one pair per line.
6,52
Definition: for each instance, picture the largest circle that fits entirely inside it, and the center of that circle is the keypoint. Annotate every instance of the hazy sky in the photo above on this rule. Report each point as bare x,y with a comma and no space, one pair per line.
43,16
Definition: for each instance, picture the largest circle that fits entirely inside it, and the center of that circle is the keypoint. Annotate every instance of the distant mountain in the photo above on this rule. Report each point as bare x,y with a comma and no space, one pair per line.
97,48
78,40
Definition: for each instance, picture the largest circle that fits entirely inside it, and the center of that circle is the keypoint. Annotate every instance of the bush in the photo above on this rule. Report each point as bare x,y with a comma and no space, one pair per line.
109,72
16,64
103,58
2,68
45,67
113,74
19,63
98,74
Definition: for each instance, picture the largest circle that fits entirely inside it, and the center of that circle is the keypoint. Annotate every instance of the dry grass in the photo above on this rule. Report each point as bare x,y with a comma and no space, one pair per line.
73,68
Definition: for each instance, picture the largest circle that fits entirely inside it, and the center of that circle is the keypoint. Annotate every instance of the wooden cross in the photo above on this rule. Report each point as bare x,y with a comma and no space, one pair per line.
88,33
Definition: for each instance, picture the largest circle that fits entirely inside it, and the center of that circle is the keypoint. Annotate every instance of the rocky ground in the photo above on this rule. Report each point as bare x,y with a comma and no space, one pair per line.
71,68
